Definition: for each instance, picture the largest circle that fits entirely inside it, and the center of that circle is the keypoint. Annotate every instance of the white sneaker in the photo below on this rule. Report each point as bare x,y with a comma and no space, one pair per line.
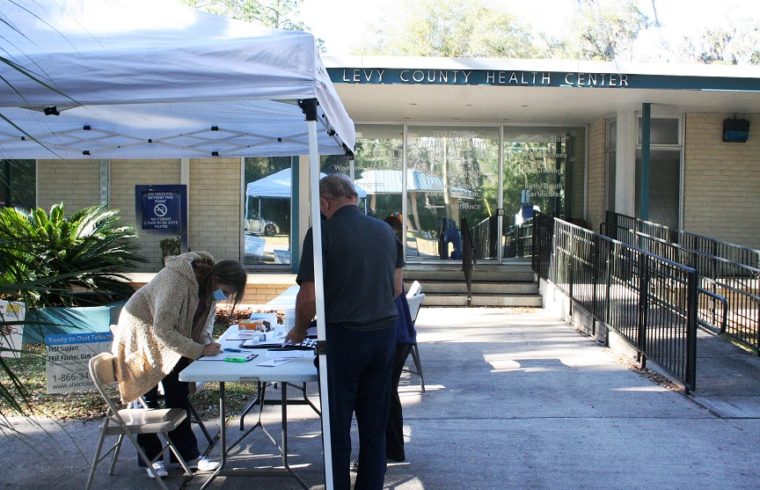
203,464
159,469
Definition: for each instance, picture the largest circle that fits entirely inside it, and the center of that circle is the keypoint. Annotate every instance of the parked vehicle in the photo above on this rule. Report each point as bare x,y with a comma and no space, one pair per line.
259,226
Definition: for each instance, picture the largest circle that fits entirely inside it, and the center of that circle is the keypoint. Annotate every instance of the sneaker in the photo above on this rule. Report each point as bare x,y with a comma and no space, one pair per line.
159,469
203,464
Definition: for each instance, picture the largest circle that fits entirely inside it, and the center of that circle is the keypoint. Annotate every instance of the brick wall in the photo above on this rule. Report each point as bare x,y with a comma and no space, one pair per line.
215,206
597,173
721,180
259,294
125,175
76,183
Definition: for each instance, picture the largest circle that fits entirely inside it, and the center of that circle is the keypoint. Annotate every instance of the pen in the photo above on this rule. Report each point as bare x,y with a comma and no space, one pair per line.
227,349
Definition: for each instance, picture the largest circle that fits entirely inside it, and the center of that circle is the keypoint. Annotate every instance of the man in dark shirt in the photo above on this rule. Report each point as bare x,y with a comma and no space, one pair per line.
362,276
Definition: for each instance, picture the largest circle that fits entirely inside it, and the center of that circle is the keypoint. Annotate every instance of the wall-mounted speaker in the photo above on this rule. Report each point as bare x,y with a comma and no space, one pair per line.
735,130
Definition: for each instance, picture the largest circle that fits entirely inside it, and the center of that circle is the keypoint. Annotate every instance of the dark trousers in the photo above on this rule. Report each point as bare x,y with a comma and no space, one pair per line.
175,396
359,381
394,432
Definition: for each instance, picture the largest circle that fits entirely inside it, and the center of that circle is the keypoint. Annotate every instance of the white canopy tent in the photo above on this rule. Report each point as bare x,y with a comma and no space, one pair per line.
147,79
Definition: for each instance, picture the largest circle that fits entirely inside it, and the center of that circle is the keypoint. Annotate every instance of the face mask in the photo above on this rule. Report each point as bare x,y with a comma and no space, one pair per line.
219,295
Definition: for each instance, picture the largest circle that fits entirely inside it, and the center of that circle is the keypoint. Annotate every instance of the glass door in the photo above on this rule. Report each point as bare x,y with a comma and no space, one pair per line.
452,174
543,171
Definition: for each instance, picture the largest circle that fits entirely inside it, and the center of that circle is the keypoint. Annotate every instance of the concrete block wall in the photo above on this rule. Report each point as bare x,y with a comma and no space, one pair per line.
597,173
259,294
125,175
721,180
76,183
216,196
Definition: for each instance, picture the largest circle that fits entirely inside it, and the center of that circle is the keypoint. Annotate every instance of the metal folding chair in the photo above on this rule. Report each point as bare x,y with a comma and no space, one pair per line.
414,308
130,421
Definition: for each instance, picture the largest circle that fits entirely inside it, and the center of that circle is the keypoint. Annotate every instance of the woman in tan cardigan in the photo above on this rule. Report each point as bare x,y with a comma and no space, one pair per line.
163,327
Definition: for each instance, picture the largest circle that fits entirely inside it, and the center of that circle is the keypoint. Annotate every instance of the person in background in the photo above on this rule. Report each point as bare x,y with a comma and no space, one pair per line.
362,276
395,223
162,328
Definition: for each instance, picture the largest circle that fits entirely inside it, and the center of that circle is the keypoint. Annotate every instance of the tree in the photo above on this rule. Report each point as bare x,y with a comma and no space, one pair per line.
450,28
733,44
280,14
604,31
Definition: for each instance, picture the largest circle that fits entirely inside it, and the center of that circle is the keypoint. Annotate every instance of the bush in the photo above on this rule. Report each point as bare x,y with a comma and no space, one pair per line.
75,261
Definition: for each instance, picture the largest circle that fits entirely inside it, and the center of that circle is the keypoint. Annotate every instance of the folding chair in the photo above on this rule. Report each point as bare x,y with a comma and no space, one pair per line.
414,308
130,421
414,289
194,418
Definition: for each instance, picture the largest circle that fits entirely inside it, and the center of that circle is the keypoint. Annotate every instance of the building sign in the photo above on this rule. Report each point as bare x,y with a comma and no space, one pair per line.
527,78
161,208
412,76
67,358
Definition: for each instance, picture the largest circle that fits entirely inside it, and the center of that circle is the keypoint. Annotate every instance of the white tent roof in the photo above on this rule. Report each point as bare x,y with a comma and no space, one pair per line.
155,79
278,185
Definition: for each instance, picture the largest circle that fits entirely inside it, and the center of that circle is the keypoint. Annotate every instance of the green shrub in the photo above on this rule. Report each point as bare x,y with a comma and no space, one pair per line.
74,261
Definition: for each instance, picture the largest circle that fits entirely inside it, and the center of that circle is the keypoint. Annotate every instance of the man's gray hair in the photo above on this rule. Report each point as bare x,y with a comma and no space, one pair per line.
337,186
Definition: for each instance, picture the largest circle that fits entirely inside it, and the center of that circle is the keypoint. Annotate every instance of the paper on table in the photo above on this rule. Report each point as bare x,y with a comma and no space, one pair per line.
274,362
289,354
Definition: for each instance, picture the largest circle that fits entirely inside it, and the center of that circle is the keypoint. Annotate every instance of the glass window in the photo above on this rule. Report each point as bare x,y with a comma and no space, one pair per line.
535,171
378,162
664,185
453,173
18,183
662,131
267,208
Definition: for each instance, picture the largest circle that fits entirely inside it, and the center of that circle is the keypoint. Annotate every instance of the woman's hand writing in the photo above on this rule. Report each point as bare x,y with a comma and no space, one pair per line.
211,349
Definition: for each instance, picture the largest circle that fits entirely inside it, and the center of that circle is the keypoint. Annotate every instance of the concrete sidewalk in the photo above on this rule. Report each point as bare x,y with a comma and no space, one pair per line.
515,399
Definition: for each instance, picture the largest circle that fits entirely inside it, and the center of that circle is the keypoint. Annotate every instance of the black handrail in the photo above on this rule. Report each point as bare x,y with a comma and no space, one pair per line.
649,300
468,258
726,271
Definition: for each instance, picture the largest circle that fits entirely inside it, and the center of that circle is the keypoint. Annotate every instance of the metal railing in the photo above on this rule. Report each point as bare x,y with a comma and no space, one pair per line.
518,239
729,288
484,238
468,257
649,300
542,242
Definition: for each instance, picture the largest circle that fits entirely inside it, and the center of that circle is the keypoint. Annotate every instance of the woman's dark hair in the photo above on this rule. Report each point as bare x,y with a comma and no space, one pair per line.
228,272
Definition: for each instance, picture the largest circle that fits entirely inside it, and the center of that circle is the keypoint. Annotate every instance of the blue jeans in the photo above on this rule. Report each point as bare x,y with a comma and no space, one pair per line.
359,379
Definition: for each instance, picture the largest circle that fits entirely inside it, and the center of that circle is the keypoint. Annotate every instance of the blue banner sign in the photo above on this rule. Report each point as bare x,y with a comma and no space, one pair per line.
78,338
161,207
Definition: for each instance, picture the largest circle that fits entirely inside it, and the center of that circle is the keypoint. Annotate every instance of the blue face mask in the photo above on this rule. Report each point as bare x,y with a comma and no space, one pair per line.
219,295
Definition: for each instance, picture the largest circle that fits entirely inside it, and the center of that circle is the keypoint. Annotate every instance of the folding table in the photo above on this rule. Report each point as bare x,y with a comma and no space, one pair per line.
296,371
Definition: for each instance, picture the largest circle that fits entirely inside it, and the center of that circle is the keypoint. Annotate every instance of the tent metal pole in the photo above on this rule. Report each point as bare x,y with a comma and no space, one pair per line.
316,227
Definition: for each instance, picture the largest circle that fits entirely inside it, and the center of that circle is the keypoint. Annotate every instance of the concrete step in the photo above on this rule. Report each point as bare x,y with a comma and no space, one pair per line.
483,300
514,275
493,288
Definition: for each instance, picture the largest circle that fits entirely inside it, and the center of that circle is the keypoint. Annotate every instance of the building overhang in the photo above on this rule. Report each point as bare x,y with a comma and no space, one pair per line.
546,92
